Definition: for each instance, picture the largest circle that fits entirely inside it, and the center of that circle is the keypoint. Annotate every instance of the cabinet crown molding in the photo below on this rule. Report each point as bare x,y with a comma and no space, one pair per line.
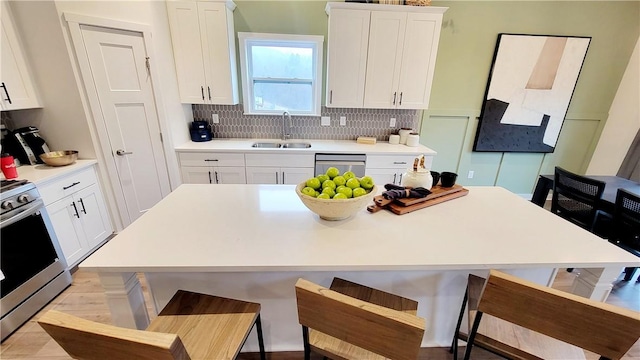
384,7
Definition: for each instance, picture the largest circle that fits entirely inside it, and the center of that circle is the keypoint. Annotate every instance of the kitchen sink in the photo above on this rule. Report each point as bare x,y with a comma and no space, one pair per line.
272,145
296,145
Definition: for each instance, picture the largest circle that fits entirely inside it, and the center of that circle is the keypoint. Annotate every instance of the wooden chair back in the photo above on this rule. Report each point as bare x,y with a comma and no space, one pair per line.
601,328
89,340
387,332
575,197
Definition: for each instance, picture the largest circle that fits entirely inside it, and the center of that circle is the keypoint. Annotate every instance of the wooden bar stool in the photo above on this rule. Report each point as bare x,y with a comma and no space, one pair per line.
518,319
352,321
191,326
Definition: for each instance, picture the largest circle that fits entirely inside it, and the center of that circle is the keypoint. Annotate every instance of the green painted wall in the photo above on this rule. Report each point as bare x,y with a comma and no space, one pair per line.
467,43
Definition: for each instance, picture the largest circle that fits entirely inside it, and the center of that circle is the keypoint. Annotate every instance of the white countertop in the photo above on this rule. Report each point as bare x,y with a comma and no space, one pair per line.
317,146
237,228
39,174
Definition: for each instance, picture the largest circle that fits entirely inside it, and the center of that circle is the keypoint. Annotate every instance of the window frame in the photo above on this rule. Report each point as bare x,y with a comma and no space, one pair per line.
315,42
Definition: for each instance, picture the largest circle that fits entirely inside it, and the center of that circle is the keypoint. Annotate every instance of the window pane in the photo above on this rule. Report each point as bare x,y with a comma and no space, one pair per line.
292,97
281,62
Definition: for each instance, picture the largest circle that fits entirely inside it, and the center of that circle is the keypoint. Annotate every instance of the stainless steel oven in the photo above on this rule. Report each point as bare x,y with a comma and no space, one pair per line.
32,268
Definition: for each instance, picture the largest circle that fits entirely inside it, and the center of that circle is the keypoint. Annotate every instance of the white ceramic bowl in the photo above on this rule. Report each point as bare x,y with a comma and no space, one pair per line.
335,209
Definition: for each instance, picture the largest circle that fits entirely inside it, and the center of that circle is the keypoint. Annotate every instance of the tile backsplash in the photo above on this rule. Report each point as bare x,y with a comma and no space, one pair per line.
360,122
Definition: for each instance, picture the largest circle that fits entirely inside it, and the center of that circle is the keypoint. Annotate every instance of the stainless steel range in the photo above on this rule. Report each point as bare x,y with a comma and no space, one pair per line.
32,268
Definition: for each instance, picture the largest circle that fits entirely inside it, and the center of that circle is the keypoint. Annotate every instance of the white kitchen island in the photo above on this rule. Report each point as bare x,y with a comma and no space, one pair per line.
253,242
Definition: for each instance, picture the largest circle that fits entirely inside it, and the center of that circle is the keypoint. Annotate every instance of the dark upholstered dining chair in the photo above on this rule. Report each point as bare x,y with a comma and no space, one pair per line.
575,198
626,226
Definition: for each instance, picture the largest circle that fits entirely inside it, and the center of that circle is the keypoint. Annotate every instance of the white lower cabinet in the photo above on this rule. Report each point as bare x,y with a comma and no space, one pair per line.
289,169
78,214
212,168
389,169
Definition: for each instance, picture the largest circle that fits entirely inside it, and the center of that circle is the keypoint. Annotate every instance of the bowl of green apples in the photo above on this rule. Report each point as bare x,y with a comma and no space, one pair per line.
335,196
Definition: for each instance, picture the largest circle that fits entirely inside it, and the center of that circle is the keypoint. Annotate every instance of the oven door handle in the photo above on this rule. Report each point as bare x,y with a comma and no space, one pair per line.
32,209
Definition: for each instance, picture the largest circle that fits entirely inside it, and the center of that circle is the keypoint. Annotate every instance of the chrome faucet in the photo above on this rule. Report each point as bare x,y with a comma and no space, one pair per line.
286,125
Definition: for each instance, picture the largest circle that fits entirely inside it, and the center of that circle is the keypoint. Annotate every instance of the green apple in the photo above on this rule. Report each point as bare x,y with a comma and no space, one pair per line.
345,190
329,191
313,183
309,191
366,182
324,196
332,172
322,178
339,180
353,183
340,196
329,183
359,192
349,175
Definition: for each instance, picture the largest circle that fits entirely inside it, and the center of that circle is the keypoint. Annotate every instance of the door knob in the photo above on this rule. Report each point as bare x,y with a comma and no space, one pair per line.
121,152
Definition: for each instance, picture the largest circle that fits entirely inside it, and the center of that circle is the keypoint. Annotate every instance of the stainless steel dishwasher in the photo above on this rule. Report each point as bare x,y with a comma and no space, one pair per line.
344,162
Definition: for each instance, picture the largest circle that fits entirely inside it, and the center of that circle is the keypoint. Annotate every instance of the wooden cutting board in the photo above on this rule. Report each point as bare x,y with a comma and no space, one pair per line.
402,206
402,209
436,191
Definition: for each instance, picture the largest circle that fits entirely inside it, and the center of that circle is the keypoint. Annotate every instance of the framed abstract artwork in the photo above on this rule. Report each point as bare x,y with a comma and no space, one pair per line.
530,86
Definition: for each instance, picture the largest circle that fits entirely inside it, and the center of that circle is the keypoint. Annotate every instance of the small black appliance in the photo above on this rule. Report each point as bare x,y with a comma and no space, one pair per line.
200,131
26,145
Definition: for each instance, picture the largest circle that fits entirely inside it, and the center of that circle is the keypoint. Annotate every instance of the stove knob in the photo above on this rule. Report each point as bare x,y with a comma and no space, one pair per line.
7,205
23,199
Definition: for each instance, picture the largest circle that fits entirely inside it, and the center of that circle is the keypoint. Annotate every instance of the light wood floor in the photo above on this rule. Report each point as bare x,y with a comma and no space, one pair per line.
85,298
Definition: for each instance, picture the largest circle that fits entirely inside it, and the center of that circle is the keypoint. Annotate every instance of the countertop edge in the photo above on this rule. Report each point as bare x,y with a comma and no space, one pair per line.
41,174
317,146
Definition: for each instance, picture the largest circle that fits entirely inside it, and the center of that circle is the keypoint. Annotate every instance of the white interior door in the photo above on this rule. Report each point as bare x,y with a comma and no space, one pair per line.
118,63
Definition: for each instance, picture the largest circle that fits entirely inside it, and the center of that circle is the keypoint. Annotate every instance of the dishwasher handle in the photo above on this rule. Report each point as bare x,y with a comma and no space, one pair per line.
333,162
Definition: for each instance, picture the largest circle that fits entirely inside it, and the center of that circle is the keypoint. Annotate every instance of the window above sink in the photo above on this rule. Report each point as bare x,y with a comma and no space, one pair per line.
281,73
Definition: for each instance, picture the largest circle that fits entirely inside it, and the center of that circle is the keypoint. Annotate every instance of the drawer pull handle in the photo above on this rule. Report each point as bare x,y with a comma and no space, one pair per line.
75,208
209,91
217,181
70,186
210,159
6,93
399,162
84,210
202,91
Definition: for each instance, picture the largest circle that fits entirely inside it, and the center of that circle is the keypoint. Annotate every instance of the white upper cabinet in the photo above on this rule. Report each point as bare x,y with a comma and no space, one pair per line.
347,57
204,49
17,90
400,44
